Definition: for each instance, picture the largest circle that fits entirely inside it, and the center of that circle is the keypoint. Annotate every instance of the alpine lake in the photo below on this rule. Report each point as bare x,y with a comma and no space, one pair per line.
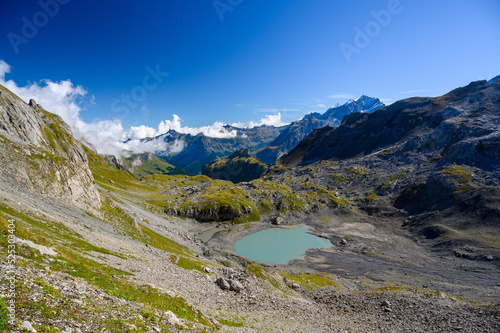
279,245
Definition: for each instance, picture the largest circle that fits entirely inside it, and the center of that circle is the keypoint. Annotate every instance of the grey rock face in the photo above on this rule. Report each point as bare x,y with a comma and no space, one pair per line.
222,283
207,214
39,150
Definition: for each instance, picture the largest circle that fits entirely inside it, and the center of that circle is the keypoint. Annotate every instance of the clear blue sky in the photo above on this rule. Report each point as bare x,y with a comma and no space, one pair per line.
263,56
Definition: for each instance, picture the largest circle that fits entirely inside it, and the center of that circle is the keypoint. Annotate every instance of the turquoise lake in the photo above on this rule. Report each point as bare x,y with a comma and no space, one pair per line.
279,246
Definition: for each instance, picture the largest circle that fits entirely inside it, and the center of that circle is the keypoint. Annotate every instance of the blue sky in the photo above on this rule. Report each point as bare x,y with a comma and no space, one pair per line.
250,59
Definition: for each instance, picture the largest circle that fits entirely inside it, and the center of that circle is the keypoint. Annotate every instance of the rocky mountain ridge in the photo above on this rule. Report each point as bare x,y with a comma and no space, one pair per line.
38,150
299,129
464,119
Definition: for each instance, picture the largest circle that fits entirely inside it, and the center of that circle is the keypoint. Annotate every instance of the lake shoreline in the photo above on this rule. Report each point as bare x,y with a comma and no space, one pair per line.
370,252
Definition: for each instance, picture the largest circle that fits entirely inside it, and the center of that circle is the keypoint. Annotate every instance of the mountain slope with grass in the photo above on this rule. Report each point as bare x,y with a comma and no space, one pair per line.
127,254
141,165
38,151
241,166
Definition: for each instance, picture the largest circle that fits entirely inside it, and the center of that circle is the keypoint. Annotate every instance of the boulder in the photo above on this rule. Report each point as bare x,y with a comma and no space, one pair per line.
278,220
222,283
235,285
229,284
26,325
171,318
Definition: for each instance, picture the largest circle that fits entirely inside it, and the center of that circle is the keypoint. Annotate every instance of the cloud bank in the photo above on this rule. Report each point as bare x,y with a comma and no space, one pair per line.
108,137
217,130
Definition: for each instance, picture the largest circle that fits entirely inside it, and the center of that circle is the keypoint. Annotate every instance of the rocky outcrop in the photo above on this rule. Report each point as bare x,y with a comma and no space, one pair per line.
219,213
39,151
230,284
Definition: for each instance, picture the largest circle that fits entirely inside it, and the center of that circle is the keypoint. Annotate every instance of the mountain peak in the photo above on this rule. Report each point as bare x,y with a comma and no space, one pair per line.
363,103
455,131
242,152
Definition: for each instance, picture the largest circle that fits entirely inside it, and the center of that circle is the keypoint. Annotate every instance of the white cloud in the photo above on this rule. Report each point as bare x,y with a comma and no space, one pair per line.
4,68
61,98
216,130
269,120
341,95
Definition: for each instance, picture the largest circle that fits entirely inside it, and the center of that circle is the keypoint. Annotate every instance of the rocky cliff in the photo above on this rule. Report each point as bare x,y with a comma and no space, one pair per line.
39,152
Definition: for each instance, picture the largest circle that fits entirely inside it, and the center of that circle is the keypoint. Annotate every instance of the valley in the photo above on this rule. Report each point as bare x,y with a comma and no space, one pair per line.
407,195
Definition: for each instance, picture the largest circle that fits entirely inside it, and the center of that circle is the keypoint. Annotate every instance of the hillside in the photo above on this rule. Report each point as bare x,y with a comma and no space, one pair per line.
99,250
241,166
38,152
141,165
433,162
299,129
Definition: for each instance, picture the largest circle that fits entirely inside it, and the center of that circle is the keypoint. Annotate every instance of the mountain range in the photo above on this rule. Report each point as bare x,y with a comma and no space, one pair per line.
407,194
299,129
199,149
266,142
460,127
